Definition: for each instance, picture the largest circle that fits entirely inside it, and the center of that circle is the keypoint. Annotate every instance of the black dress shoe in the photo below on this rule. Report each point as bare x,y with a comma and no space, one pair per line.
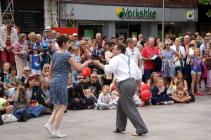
118,131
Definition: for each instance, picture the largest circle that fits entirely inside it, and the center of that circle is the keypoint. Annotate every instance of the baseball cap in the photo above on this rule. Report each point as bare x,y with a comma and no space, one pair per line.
75,34
26,68
47,29
113,36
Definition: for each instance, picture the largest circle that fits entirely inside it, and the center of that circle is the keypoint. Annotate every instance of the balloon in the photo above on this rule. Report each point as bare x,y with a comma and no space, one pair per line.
146,95
144,87
45,45
86,71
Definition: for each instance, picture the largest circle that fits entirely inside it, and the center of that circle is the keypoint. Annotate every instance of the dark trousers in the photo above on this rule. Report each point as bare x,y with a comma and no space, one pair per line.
178,69
188,77
159,99
147,74
126,108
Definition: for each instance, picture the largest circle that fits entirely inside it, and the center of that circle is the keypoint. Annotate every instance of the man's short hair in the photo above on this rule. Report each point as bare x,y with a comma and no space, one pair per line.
122,48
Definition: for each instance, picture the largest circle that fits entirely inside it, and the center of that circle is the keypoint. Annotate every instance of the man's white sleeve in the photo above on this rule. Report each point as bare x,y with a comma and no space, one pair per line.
111,67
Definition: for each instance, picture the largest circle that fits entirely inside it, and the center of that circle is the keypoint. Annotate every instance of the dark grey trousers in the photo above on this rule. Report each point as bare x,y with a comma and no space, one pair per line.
126,108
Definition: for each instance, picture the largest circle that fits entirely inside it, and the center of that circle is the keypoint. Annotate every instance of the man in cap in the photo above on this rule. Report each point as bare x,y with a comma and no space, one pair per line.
76,41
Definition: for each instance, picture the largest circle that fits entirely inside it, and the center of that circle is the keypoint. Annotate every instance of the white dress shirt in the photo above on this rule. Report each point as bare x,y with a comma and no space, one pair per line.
123,69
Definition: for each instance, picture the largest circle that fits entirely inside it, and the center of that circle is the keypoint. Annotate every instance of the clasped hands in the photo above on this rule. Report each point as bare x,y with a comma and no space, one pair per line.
94,62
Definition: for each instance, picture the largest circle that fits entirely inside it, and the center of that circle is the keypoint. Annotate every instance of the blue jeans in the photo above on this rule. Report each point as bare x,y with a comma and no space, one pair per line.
18,113
35,111
75,77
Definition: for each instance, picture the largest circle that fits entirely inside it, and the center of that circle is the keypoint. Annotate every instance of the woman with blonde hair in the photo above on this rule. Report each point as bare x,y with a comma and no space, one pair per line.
45,69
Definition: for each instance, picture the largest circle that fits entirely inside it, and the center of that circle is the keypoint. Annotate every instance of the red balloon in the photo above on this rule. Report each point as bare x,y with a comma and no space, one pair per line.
144,87
86,71
146,95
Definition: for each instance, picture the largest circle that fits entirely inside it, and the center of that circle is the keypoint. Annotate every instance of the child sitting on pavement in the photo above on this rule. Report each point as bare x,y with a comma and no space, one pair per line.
104,101
159,93
181,95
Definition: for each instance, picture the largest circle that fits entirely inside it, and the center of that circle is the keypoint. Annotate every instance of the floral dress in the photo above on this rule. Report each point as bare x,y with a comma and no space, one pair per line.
58,83
167,65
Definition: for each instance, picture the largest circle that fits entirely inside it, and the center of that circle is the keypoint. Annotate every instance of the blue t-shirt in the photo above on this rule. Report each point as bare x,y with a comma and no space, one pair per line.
36,62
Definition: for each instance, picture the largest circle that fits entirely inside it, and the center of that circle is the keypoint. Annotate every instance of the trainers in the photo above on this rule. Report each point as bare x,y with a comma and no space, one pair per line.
48,127
170,102
57,134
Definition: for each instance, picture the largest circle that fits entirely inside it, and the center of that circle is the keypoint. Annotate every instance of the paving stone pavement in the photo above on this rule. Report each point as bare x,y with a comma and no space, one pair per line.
176,122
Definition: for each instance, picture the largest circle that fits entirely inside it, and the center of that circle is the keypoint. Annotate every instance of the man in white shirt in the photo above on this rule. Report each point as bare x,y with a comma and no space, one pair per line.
181,50
128,76
133,52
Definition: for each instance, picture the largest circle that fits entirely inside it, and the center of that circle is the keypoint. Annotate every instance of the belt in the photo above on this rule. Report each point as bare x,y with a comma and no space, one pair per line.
126,80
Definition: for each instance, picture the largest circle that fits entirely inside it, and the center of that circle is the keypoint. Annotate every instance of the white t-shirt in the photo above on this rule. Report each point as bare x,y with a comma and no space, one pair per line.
181,51
133,54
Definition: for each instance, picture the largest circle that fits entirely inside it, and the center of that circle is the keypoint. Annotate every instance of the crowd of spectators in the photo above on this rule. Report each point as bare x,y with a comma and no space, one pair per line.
173,70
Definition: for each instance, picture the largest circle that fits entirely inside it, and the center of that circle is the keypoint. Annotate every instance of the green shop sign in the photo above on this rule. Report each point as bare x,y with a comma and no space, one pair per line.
126,13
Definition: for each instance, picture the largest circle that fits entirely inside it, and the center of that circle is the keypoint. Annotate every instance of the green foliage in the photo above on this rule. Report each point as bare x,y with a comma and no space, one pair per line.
205,2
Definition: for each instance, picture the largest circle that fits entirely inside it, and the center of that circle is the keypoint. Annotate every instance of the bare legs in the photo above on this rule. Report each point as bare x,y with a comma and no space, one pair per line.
58,117
193,83
198,77
55,120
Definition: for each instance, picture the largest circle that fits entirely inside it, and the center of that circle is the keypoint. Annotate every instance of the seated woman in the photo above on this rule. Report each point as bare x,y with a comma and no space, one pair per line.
181,95
43,96
45,70
77,99
104,101
159,95
21,102
35,109
5,107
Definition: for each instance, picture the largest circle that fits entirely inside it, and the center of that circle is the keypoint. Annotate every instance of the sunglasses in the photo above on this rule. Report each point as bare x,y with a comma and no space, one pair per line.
168,44
94,77
191,45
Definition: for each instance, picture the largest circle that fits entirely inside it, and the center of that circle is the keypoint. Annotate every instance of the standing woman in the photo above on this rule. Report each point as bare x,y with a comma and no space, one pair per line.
168,62
189,54
21,52
208,65
60,68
